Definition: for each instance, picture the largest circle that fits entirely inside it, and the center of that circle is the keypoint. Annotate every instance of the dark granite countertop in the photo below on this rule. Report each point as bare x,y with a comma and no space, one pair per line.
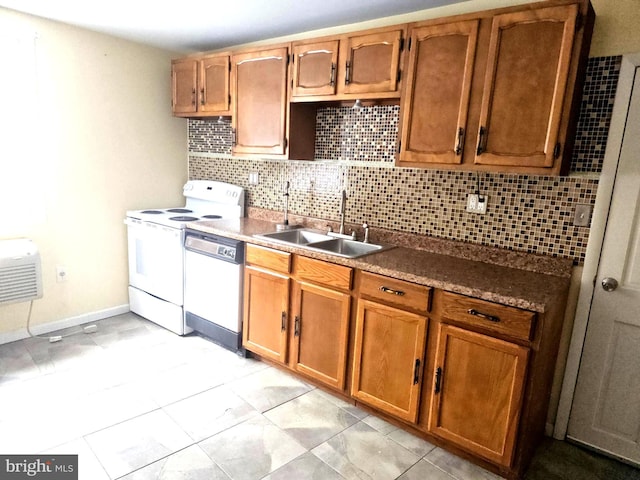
509,285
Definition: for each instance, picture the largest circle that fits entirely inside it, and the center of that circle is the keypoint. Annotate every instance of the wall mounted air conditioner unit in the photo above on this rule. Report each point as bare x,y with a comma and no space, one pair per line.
20,271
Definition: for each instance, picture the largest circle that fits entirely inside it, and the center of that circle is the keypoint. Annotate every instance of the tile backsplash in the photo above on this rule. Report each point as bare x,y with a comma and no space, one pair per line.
355,151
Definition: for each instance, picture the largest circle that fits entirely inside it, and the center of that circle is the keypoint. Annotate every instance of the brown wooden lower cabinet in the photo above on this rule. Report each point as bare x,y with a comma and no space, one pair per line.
266,313
478,392
488,367
321,333
388,358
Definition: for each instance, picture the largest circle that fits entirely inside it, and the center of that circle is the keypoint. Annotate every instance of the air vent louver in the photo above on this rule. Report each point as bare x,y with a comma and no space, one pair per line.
20,271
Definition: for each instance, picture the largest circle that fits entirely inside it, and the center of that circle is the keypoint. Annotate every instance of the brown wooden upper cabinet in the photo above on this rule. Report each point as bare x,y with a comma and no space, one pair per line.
524,87
259,119
358,65
496,91
315,68
436,101
200,86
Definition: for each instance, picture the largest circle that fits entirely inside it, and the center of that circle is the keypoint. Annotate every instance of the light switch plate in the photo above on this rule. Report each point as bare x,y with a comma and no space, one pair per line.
582,216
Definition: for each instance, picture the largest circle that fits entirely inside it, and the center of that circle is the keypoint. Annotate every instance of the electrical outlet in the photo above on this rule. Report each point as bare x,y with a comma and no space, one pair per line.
61,274
253,178
477,203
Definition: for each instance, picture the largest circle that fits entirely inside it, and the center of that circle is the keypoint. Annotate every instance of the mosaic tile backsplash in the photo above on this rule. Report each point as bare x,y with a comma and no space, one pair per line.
525,213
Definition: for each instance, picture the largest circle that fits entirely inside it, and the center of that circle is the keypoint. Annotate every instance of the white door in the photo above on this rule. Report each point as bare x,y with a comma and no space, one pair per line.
606,406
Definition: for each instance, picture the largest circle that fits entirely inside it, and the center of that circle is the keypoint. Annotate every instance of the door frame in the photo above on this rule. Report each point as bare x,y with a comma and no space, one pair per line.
599,221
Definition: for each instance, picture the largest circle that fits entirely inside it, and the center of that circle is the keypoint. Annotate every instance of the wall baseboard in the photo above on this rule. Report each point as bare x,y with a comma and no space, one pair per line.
45,328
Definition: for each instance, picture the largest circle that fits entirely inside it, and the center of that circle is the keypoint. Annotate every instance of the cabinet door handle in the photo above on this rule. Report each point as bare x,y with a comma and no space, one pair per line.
347,77
202,96
296,328
384,289
283,326
438,386
460,143
416,372
486,316
482,141
233,137
332,78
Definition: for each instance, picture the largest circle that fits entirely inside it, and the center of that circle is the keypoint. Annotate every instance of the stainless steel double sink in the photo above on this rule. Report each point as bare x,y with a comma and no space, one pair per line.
320,242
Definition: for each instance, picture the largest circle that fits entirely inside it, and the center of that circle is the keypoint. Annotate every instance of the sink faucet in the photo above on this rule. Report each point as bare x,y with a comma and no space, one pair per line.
343,207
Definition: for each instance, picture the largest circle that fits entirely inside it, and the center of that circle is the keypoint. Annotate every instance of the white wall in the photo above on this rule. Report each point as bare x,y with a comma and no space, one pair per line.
103,142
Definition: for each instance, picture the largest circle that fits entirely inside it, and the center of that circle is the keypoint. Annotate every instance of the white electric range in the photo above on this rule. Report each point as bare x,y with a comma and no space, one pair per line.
156,249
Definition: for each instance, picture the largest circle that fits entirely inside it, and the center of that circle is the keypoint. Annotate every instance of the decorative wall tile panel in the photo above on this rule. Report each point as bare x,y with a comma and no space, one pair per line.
595,113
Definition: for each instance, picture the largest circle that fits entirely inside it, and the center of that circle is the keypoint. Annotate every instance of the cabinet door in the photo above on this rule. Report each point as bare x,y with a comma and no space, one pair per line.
321,331
436,97
214,84
524,89
184,80
479,382
266,305
372,62
260,101
388,358
314,68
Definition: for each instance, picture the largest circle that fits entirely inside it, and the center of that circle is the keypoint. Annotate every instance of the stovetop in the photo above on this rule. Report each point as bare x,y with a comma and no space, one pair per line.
205,200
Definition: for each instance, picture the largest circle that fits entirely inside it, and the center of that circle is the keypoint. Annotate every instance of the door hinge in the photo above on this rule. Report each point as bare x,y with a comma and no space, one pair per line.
556,151
438,380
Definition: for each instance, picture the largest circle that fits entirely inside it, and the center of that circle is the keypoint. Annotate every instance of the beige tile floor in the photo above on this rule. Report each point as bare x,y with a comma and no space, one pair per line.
137,402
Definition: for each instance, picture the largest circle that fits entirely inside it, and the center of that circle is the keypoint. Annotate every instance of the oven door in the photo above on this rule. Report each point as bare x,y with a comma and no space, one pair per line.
156,259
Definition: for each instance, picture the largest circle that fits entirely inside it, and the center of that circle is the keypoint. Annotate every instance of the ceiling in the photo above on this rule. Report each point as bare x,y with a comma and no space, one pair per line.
200,25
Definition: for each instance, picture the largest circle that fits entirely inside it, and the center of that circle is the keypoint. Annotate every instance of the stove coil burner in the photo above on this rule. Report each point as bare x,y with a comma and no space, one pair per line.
212,217
154,212
179,210
183,218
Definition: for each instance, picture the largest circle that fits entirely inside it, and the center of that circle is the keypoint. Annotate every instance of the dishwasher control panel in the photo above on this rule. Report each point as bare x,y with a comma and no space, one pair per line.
213,246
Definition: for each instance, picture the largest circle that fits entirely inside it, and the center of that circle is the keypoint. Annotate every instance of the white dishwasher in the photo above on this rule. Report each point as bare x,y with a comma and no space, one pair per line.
213,287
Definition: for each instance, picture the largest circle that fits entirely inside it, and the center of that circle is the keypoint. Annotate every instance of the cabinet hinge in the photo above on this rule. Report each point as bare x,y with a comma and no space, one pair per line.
579,21
556,151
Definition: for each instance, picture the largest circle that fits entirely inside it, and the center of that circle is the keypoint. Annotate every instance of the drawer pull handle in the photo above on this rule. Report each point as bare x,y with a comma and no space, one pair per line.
384,289
416,372
438,380
476,313
284,322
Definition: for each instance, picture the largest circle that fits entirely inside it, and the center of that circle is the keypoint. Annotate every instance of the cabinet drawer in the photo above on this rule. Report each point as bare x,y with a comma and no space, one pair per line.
490,316
268,258
396,292
324,273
